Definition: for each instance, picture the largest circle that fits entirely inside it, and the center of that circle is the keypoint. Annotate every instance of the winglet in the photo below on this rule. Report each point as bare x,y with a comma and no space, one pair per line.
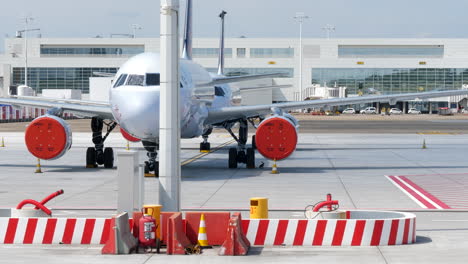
187,50
221,45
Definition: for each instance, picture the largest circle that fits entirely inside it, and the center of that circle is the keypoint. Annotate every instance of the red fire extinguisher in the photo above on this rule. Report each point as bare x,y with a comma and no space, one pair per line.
147,232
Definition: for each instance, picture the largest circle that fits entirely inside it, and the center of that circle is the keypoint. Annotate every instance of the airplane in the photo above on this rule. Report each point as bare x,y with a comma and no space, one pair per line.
207,102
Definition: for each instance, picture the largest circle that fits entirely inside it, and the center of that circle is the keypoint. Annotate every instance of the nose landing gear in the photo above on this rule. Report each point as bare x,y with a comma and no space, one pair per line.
98,155
151,166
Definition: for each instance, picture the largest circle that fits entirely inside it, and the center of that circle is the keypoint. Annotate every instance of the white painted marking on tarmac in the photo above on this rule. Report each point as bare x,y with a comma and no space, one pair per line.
40,230
291,232
20,230
78,232
349,232
451,220
271,232
3,228
406,192
419,193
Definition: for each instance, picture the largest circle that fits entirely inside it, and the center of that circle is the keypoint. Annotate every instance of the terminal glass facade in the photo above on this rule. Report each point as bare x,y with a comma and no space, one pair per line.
392,80
390,51
285,72
271,52
90,51
58,78
210,52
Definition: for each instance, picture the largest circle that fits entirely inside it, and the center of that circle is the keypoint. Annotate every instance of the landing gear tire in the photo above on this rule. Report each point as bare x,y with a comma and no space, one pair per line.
254,145
233,158
91,158
205,147
250,158
149,169
108,158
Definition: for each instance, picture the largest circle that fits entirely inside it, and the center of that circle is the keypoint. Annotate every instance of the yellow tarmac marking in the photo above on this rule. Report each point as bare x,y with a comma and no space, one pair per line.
206,153
438,133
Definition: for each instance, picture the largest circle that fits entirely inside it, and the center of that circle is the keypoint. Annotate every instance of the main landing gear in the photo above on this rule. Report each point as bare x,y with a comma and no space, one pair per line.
98,155
241,154
151,166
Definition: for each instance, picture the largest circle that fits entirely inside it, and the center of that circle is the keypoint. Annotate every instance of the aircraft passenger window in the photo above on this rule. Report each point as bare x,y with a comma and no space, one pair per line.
136,80
219,91
121,80
152,79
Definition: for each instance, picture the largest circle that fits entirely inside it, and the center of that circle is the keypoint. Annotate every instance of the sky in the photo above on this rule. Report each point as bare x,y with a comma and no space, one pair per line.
249,18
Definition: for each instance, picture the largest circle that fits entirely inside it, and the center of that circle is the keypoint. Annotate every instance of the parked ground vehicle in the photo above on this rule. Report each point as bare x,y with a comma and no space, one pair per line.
369,110
395,111
414,111
349,111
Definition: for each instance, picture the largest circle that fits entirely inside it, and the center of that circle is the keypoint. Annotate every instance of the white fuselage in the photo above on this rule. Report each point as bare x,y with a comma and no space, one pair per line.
135,94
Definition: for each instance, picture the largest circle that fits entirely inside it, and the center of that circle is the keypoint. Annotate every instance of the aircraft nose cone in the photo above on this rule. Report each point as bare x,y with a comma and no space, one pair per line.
139,111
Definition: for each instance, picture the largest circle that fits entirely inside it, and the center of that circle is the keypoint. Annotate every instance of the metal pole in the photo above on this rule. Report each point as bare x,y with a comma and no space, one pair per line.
26,51
169,132
300,61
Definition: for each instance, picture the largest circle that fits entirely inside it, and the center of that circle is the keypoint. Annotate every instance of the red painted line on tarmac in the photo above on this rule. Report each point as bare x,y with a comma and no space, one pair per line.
378,226
30,230
300,233
339,233
319,232
412,193
427,194
261,232
49,231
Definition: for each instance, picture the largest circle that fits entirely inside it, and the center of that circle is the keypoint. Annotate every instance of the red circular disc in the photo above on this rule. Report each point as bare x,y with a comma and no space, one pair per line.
128,137
276,138
45,138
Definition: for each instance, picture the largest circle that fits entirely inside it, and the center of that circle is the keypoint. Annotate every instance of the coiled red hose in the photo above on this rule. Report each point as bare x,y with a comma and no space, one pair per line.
50,197
36,203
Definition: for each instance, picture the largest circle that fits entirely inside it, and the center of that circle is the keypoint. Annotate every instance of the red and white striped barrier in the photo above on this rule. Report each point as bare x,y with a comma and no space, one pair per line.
54,230
331,232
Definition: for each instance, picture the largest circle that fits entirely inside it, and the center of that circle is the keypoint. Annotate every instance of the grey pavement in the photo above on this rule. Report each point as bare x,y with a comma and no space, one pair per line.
349,166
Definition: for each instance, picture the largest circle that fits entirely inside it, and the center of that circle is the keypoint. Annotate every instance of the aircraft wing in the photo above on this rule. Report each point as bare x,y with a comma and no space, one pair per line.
82,109
218,115
223,79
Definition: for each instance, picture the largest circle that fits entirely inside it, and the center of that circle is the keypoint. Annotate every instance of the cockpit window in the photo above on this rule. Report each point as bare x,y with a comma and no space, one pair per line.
121,80
135,80
152,79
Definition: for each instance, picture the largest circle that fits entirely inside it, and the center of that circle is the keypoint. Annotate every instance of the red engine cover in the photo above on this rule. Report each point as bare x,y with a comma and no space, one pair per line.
48,137
128,137
276,138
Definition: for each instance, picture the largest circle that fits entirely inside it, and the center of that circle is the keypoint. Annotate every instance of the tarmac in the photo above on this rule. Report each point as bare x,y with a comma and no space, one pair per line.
351,166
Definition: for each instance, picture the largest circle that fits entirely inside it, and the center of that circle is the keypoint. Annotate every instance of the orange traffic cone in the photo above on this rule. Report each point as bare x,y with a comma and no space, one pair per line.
202,238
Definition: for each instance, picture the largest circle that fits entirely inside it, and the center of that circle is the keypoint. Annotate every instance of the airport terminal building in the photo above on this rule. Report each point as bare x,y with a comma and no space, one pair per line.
388,66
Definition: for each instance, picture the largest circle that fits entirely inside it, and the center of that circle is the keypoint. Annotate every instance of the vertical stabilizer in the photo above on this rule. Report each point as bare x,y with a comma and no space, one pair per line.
187,49
221,45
